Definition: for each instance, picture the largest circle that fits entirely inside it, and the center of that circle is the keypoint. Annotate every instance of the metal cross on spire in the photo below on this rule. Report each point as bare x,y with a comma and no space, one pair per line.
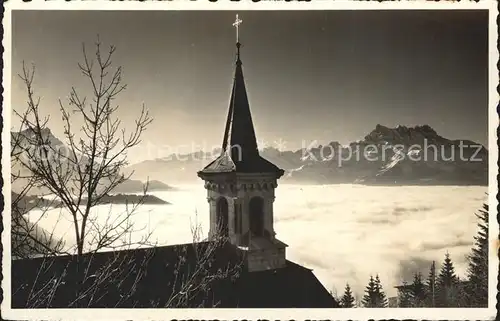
237,24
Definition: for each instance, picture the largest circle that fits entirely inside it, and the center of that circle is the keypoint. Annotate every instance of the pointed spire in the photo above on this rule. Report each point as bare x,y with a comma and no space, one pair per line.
239,134
238,60
239,145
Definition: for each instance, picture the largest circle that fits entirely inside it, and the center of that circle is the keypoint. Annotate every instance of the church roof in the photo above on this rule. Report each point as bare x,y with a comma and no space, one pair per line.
261,243
239,145
147,278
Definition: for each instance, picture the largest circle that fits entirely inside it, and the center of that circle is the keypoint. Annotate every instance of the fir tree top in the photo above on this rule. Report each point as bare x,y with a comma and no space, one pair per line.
431,280
477,272
382,298
418,291
370,294
447,275
347,300
374,295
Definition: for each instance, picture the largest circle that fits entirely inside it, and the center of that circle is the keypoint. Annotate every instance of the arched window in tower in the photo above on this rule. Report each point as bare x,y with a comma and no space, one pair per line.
257,216
222,217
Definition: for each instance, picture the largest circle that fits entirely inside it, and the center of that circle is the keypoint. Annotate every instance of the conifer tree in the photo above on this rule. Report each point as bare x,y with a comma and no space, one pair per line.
446,283
447,275
369,299
374,294
381,297
418,291
347,300
431,287
404,296
476,289
458,297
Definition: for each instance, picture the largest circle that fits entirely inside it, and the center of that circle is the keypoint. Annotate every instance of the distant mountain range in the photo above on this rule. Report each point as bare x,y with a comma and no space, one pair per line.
387,156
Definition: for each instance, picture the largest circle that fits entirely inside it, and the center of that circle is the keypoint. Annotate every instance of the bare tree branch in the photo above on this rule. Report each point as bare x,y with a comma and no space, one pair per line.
80,173
89,165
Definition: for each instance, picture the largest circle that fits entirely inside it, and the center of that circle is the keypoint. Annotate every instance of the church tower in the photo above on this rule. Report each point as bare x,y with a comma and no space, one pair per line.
241,185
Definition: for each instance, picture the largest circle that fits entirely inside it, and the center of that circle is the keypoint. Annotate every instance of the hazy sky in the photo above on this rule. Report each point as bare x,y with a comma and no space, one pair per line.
316,75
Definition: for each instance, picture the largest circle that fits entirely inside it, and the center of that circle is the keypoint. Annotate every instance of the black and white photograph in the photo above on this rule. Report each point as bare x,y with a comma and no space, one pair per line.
170,163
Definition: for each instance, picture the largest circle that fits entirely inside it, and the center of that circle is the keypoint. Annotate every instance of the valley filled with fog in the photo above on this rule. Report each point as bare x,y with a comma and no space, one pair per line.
343,232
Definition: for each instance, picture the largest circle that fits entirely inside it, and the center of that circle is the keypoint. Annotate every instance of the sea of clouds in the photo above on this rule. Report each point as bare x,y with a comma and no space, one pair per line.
345,233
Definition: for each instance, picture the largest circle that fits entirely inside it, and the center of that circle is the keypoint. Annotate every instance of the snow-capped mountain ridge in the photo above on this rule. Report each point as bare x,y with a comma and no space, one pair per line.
401,155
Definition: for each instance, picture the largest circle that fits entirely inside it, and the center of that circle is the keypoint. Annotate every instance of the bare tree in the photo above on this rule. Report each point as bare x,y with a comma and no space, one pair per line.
88,165
81,172
27,239
197,276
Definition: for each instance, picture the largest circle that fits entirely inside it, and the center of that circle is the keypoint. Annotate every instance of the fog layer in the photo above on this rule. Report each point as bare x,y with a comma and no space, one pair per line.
343,232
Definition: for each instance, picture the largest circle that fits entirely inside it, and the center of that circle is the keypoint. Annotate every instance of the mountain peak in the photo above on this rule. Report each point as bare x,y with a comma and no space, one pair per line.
44,131
402,134
426,129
